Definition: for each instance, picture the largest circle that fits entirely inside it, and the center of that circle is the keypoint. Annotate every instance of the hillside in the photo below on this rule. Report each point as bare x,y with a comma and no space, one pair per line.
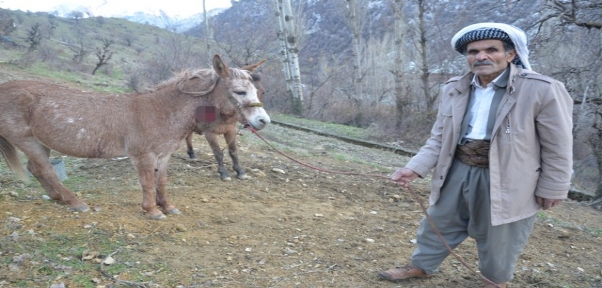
324,29
141,54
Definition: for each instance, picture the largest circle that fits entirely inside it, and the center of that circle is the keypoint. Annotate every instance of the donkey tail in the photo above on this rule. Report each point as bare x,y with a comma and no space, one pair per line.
9,153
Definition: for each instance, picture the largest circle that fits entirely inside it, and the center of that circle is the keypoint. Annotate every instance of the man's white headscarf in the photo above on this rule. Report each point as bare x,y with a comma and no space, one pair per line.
499,31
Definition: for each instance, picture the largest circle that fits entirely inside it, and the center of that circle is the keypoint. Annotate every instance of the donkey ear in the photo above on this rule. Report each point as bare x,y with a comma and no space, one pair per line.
252,68
220,68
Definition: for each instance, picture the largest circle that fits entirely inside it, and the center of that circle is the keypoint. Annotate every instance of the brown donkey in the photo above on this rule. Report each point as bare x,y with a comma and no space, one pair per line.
36,117
224,124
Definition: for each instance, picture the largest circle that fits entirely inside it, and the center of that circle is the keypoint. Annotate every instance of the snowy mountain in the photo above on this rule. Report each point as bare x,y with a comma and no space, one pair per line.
172,23
158,18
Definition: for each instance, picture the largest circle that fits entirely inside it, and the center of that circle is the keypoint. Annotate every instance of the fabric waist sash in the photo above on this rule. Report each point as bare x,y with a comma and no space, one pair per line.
474,153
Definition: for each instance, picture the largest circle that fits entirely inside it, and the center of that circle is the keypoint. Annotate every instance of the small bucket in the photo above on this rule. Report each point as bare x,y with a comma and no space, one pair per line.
59,168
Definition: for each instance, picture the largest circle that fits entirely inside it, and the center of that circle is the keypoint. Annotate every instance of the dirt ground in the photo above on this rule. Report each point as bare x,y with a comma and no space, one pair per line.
287,226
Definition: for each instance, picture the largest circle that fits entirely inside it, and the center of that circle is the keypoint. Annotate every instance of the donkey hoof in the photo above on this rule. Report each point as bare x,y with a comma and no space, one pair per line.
227,178
159,216
243,177
174,211
82,208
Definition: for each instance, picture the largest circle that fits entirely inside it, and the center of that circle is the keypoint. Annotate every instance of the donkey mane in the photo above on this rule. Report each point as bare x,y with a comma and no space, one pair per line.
207,78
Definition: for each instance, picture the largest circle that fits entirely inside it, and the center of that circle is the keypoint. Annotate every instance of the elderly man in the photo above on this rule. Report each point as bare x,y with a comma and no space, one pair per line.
501,149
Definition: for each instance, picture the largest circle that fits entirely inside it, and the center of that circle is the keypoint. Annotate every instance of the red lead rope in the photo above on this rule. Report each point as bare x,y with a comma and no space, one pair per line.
414,194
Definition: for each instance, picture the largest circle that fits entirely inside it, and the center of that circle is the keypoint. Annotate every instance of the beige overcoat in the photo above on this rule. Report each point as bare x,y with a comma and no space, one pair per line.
531,145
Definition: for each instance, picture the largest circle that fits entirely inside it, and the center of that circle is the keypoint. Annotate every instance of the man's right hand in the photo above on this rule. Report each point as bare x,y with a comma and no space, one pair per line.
404,177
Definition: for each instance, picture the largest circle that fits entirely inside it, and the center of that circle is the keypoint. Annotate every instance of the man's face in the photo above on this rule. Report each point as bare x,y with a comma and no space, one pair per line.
487,59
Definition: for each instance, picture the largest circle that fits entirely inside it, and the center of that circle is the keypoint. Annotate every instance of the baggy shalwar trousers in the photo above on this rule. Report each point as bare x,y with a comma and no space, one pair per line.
462,211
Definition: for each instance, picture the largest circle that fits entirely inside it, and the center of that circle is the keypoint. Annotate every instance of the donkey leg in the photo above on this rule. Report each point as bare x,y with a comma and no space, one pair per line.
146,167
189,148
219,155
161,178
53,194
230,137
41,168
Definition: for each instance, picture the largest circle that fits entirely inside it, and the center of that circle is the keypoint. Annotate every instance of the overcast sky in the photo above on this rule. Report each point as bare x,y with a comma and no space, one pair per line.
107,8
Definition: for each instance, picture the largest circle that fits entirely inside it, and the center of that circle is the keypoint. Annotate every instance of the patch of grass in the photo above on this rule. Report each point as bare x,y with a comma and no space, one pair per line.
59,256
597,232
544,217
99,83
338,129
340,157
64,75
76,180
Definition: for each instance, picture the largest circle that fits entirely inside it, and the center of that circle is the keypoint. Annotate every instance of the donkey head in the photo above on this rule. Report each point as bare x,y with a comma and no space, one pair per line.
241,91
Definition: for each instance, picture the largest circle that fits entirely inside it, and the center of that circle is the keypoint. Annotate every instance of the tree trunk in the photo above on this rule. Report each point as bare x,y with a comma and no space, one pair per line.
597,145
290,53
207,36
354,22
401,94
425,73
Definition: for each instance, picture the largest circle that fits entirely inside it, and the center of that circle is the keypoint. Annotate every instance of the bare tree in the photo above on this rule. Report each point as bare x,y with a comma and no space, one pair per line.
244,50
581,13
402,98
582,78
356,17
425,73
290,52
100,20
174,53
47,53
207,30
52,25
7,23
76,15
34,37
103,54
283,50
78,48
170,24
129,37
247,44
177,52
249,38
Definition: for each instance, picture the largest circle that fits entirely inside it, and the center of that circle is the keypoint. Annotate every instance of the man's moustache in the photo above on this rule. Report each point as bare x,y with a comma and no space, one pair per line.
482,63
